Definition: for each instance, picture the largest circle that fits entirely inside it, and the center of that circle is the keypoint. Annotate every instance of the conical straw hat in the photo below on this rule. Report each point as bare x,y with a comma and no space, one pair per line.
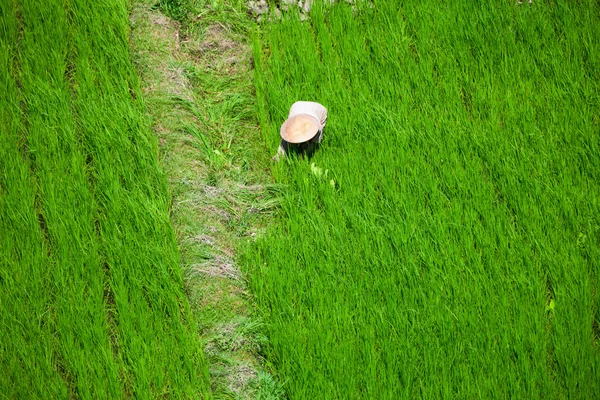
299,128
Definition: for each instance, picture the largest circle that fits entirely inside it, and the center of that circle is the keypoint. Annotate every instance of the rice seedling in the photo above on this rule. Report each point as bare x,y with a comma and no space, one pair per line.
91,297
456,253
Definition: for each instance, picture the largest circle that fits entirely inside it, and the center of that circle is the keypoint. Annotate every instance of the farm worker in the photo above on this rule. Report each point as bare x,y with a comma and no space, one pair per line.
303,130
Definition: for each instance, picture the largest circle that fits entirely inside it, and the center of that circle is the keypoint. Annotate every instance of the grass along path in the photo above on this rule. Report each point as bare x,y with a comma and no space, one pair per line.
195,65
457,253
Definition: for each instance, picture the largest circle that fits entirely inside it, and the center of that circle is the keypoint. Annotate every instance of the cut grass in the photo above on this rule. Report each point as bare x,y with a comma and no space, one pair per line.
91,299
196,79
456,256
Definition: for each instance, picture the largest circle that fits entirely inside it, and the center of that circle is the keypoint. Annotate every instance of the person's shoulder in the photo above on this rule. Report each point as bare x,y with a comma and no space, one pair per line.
308,107
299,104
306,103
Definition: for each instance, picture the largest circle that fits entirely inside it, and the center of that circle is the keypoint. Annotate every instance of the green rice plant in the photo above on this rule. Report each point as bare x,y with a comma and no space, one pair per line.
26,326
456,253
92,302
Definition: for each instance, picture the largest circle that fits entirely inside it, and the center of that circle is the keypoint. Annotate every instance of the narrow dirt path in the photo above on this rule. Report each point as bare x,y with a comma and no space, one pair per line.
197,81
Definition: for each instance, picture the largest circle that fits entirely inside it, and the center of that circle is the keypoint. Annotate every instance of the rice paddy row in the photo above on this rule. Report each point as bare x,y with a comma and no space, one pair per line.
444,240
91,298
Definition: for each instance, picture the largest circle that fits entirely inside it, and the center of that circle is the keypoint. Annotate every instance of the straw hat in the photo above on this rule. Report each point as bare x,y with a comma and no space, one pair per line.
300,128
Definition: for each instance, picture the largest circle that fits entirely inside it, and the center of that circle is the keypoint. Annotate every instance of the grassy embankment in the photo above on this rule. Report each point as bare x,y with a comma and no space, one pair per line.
91,299
457,253
194,60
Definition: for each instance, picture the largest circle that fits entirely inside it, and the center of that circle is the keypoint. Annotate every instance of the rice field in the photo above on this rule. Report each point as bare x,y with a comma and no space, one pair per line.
444,242
91,295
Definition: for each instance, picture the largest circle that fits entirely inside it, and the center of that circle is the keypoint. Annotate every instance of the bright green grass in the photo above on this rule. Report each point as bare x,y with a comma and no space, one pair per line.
458,254
91,299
